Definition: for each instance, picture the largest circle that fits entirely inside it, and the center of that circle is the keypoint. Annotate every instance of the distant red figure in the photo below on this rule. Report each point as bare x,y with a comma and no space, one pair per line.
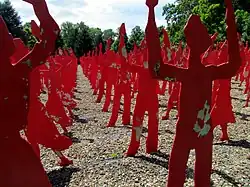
109,76
123,84
222,111
147,88
193,129
173,100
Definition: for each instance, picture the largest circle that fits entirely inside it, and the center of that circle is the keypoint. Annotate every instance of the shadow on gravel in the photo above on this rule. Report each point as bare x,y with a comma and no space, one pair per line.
152,160
90,140
80,119
243,116
238,88
169,131
61,177
161,154
241,100
76,109
144,129
71,136
164,163
236,143
226,177
77,91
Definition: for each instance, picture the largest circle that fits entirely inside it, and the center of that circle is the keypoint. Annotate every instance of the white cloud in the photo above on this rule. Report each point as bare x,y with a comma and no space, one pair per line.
104,14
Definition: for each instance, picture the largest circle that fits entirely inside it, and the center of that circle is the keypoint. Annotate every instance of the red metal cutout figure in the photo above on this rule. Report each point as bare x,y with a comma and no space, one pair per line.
193,130
19,161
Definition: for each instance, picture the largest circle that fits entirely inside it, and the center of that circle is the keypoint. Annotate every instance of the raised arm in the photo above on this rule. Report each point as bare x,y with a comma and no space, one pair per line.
49,31
35,30
157,68
228,70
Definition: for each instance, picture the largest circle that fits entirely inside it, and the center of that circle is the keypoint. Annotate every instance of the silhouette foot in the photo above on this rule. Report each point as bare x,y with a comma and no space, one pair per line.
166,117
104,110
64,161
224,138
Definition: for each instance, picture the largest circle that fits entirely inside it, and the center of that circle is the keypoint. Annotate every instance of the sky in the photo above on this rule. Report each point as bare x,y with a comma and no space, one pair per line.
104,14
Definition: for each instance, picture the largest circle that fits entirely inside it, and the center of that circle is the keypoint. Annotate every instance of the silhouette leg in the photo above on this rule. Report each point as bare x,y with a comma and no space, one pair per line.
152,139
64,161
164,86
20,163
178,162
138,116
224,135
101,90
169,107
203,162
107,97
116,107
127,106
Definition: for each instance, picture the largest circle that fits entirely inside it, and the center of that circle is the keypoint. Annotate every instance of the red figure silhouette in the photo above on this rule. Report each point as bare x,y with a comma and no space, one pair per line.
16,170
101,74
168,55
147,88
175,91
222,112
94,71
54,104
109,76
51,74
44,131
123,84
173,100
193,129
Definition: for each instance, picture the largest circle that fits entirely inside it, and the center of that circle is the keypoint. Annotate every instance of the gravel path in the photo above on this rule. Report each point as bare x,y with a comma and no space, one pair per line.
98,151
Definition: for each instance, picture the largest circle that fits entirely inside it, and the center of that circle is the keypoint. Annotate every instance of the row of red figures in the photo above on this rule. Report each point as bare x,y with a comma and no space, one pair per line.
199,83
29,118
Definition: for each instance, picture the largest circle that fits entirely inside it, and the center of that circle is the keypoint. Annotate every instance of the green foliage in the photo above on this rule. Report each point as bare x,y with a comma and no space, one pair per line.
243,20
137,35
78,37
97,38
109,33
30,39
115,44
60,42
12,20
176,15
212,13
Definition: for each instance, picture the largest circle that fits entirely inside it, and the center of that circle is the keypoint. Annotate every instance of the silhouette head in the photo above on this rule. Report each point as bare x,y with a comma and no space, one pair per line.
35,29
7,47
197,36
109,43
123,29
166,38
151,3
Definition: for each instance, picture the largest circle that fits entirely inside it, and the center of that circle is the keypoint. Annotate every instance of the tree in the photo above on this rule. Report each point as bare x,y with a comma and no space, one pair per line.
176,15
12,20
212,13
115,44
137,35
243,22
78,37
97,38
109,33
